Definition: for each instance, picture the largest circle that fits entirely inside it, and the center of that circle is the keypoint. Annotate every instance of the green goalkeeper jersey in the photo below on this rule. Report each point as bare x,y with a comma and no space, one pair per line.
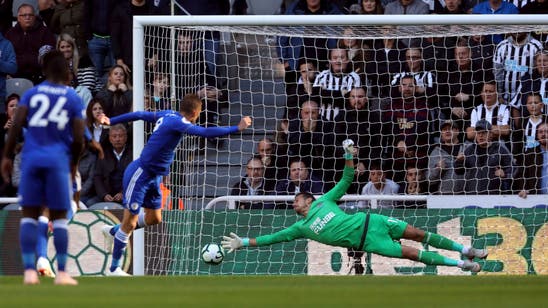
326,222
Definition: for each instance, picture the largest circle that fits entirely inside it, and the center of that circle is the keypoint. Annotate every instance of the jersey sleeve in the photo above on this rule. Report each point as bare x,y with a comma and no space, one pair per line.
206,132
285,235
134,116
340,189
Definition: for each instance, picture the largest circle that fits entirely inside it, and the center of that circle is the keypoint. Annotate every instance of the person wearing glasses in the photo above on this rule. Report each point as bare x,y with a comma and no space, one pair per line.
27,37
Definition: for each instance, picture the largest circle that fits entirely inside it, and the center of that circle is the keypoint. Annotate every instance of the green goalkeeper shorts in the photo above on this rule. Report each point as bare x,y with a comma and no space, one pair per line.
382,235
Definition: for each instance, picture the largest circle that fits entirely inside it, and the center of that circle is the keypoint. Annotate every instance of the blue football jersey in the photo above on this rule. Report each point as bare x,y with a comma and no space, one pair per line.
158,153
52,109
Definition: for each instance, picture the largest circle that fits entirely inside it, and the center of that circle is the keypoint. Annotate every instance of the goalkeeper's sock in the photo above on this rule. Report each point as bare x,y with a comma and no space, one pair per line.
60,240
442,242
432,258
27,240
42,238
120,243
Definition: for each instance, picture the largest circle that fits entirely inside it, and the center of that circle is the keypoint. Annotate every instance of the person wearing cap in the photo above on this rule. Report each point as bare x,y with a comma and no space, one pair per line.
441,161
27,37
487,163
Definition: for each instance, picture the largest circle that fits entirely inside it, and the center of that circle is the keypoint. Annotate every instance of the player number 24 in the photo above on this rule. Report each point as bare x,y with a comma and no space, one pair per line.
56,115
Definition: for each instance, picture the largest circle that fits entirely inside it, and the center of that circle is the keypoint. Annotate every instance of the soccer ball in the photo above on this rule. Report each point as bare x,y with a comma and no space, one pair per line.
213,254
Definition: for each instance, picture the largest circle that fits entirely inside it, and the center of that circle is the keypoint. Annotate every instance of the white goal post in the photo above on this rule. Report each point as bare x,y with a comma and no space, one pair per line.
326,26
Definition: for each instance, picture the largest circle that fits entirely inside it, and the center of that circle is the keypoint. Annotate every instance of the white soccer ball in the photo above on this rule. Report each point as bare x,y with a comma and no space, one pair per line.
213,254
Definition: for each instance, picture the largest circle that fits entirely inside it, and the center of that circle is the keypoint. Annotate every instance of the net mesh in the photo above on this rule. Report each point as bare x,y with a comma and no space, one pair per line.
303,98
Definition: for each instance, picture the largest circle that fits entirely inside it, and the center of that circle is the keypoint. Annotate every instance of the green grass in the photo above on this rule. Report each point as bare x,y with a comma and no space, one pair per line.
281,291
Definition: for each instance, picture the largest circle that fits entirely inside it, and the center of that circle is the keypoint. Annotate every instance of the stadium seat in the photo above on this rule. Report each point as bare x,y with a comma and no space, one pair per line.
105,206
18,86
12,207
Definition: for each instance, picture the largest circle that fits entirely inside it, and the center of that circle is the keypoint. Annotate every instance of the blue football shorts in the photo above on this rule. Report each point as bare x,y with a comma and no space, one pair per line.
141,189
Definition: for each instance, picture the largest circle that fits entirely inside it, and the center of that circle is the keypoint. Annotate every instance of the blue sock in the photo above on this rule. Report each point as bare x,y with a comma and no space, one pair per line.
27,239
42,239
114,229
60,240
120,243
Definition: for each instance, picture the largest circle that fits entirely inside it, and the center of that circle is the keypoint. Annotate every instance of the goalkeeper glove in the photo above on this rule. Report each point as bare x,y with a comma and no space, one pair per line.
348,146
234,242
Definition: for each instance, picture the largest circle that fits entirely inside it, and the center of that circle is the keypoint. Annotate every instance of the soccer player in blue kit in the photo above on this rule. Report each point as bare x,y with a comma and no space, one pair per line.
54,116
141,183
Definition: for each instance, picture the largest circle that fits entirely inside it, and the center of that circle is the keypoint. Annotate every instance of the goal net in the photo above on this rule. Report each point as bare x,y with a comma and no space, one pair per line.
418,95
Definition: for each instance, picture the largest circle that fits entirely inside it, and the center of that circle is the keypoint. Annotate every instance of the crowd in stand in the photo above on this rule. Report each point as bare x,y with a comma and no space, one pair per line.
449,115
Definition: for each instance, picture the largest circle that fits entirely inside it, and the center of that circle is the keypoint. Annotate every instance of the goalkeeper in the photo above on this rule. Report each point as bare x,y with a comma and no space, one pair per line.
324,222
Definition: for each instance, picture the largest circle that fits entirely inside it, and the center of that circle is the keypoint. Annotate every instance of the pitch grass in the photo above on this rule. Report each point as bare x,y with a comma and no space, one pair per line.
281,291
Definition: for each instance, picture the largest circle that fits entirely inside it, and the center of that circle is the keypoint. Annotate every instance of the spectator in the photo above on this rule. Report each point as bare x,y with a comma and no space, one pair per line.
437,52
451,7
46,9
536,82
535,7
298,87
6,16
79,65
86,168
406,7
406,129
212,39
253,184
414,185
425,81
274,161
99,133
378,185
159,93
441,162
388,57
358,51
514,57
313,140
464,81
368,7
496,114
532,176
360,122
335,82
117,94
8,65
495,7
98,34
27,37
524,136
109,171
290,49
482,49
487,164
6,123
69,17
300,179
121,25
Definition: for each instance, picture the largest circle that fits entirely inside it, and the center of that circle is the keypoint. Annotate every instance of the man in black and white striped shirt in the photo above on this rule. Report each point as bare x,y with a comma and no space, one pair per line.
335,82
514,57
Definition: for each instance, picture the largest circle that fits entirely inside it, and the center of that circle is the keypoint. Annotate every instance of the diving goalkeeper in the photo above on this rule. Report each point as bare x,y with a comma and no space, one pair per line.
326,223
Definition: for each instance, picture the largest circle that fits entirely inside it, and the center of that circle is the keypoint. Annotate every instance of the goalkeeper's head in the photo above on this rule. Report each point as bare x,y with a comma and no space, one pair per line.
191,107
302,202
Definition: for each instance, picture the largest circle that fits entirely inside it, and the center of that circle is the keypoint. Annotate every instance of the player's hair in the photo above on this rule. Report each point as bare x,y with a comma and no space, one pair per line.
55,67
306,195
190,103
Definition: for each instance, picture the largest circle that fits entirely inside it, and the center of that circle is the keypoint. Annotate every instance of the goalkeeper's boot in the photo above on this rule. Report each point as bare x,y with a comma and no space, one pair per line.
118,272
64,279
109,238
476,253
44,267
471,266
30,277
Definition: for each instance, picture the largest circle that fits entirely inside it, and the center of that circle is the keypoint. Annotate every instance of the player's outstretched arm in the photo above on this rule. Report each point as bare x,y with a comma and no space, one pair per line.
212,132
